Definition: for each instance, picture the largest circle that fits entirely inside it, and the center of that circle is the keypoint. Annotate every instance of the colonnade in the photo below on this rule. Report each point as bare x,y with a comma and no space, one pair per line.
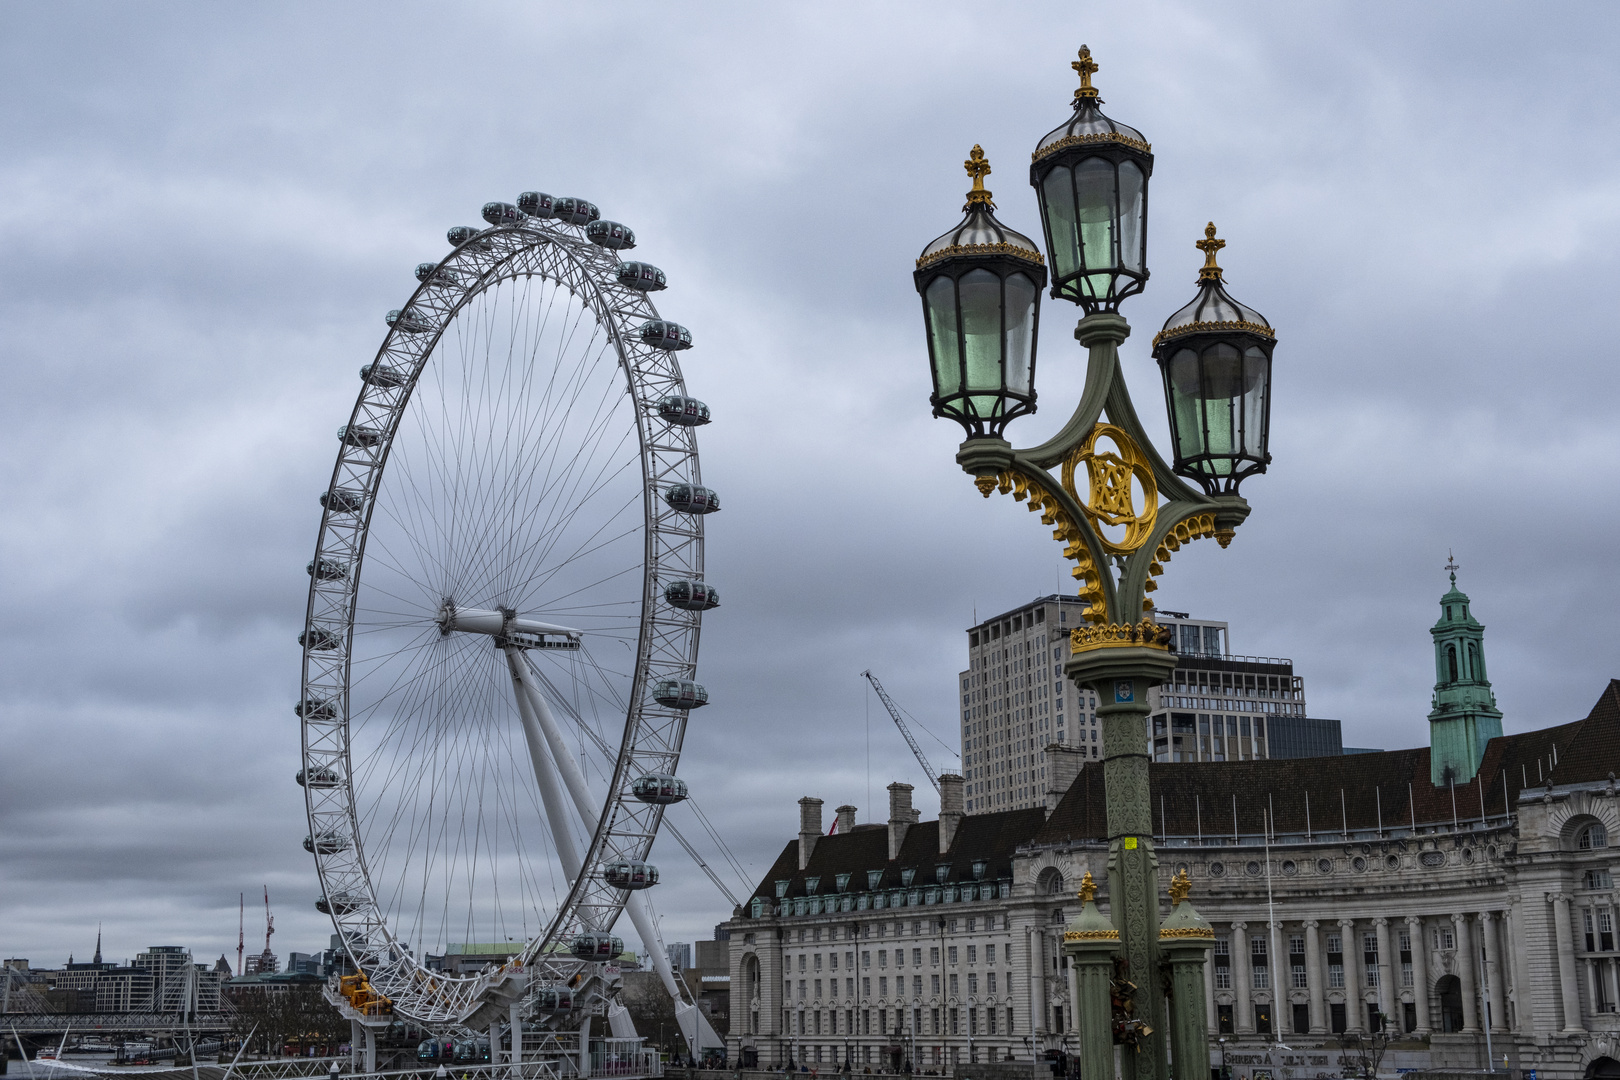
1476,947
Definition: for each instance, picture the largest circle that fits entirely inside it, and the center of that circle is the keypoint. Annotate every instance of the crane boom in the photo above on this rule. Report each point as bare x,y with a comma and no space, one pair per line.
894,711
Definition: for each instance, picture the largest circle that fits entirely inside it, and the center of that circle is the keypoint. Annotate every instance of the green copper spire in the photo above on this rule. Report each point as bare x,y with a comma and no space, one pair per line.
1464,717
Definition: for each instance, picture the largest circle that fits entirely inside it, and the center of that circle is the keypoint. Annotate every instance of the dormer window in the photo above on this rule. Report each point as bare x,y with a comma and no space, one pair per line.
906,875
782,888
873,877
941,872
810,884
842,881
979,867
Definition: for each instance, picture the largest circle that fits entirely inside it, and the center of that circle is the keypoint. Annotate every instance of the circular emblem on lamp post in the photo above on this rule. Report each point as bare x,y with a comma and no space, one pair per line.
1112,477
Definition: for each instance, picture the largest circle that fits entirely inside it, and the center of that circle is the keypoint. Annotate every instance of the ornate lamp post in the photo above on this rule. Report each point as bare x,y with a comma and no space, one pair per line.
1120,510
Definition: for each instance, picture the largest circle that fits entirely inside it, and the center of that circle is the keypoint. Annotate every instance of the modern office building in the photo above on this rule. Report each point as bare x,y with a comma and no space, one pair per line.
1016,704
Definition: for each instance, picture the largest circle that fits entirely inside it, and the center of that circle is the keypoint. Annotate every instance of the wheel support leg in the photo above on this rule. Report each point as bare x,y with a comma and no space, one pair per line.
545,772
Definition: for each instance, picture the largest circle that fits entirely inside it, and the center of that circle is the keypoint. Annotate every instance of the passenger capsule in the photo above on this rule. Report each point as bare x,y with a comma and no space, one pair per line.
407,322
553,998
643,277
327,569
461,234
631,874
433,275
691,595
381,375
342,500
537,204
691,499
576,211
315,709
320,777
356,435
610,235
660,334
686,411
329,842
318,640
502,213
659,789
338,904
598,947
680,694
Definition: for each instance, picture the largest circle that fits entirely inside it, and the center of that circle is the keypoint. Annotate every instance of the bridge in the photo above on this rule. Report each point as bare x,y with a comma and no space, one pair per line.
59,1023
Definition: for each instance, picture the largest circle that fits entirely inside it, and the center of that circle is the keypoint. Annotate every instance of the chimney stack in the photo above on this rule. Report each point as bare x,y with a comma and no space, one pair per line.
901,817
809,828
1063,764
846,819
950,809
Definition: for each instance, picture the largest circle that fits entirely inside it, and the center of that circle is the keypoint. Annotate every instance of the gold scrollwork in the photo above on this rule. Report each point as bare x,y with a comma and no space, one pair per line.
1119,635
1187,932
1111,479
1040,497
1196,527
1091,935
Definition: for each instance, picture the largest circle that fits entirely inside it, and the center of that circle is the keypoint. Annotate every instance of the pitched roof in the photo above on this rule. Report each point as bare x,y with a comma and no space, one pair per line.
1350,792
1320,795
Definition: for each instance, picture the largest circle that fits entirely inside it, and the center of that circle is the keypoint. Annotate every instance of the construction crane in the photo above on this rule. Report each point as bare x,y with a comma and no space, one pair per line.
894,711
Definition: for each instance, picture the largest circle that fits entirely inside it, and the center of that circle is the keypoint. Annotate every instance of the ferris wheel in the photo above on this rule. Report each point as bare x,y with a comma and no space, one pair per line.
502,632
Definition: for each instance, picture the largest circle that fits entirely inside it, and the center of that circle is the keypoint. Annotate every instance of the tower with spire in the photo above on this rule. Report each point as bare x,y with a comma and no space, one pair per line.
1464,716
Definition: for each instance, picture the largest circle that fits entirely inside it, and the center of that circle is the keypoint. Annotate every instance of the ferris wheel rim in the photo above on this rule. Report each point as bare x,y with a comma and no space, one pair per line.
522,240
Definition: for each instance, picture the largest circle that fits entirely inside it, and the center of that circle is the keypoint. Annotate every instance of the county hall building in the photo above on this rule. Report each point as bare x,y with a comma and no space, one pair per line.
1454,896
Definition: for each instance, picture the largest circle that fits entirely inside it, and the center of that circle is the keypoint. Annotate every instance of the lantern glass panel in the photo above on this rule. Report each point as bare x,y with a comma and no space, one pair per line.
1257,374
1132,212
980,293
1185,412
1064,244
1095,200
943,340
1021,295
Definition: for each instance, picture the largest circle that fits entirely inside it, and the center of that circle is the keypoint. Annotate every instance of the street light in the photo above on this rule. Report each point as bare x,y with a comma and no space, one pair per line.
1119,508
980,283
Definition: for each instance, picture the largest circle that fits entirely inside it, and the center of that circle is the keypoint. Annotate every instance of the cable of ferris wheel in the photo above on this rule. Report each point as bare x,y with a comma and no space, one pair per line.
601,744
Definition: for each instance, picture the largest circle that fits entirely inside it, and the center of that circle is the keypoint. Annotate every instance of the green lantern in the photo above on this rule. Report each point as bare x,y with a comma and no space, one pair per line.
1215,356
980,285
1091,176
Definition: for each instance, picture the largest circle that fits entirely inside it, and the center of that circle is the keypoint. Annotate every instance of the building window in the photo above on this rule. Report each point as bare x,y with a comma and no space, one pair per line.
1224,1013
933,1016
1599,879
1444,939
1262,1018
1336,1017
1592,837
1260,975
1302,1018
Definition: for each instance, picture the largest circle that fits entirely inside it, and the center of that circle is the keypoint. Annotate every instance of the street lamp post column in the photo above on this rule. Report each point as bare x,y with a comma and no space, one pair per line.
1118,507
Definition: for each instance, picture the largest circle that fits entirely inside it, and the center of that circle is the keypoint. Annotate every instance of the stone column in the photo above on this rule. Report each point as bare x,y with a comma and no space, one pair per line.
1420,972
1389,974
1465,975
1493,972
1035,954
1355,1013
1243,1009
1513,929
1566,962
1313,977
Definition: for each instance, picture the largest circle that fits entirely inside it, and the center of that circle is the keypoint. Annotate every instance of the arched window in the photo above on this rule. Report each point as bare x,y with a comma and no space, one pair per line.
1592,837
1051,882
1474,671
1451,661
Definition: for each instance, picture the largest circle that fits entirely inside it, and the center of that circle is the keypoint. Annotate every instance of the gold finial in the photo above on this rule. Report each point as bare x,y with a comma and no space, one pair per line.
1088,889
1086,67
1209,246
978,168
1180,887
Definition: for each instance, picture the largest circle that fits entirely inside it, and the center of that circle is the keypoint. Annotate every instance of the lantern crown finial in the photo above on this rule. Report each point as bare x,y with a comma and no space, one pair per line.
1086,67
1209,246
978,168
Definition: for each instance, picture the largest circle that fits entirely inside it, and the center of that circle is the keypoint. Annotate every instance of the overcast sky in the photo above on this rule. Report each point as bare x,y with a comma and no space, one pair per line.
206,209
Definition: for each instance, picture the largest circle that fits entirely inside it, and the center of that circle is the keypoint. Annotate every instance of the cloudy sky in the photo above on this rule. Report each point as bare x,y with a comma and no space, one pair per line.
205,211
